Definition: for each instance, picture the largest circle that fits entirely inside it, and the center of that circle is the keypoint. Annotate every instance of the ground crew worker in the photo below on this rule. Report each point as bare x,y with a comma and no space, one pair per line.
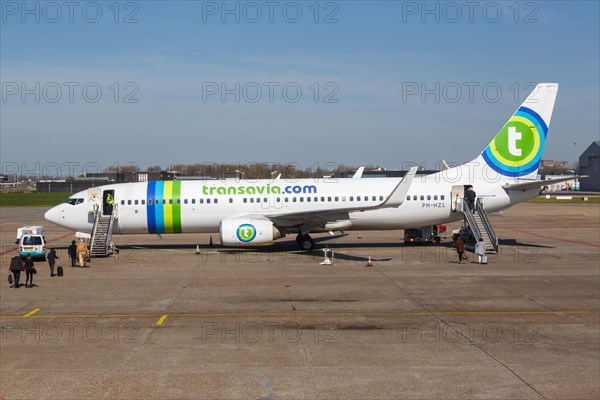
109,204
82,252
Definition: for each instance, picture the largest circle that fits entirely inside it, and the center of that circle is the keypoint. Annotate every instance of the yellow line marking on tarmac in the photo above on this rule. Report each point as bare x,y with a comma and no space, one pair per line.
161,320
298,314
30,313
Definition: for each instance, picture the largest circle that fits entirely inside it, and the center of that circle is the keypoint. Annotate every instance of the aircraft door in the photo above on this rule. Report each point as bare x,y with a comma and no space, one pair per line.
457,197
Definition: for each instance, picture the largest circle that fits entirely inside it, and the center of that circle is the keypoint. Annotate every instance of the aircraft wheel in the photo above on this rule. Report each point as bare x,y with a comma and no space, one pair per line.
306,243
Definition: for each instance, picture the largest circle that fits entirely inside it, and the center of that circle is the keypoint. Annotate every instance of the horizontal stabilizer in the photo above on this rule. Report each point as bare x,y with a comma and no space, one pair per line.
540,184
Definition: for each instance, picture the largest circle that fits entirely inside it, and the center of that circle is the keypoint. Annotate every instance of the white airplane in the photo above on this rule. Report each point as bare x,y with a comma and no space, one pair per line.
258,212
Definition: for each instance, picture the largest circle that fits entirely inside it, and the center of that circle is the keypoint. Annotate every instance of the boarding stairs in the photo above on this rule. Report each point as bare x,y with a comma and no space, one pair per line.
101,235
477,226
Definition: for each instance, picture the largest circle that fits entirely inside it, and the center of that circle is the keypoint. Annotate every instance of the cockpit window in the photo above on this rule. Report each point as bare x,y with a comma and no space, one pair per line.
74,201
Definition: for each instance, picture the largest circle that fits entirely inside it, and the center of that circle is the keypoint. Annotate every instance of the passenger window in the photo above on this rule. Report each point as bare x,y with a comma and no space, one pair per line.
201,201
258,199
308,199
422,197
428,197
294,199
185,201
337,198
265,200
287,200
357,198
193,201
278,200
135,202
170,201
415,197
245,200
216,201
322,199
301,199
149,202
164,201
408,198
179,201
380,198
374,198
251,199
207,201
351,198
328,198
435,197
143,202
122,202
230,200
316,199
442,197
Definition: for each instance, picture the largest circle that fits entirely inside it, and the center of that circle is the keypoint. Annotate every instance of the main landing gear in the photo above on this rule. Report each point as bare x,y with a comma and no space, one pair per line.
305,242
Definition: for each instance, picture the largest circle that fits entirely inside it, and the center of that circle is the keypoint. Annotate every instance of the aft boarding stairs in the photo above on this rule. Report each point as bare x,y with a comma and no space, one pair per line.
101,235
476,226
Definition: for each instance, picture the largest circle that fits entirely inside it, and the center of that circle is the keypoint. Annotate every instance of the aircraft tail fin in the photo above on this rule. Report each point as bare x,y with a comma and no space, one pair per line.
517,149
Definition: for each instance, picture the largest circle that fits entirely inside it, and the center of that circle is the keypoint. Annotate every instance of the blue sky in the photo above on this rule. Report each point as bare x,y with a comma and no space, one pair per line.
353,68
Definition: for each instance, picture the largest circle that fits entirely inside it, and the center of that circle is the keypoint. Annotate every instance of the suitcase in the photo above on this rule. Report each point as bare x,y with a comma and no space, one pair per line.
59,271
484,259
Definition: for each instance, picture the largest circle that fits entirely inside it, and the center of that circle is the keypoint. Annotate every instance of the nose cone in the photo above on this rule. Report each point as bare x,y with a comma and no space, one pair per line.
53,215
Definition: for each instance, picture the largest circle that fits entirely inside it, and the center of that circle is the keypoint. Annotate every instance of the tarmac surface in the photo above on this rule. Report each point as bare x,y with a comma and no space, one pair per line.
158,321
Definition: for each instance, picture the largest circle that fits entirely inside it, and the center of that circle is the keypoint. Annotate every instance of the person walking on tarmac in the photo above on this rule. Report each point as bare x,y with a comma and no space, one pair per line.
73,253
29,271
82,252
460,248
16,266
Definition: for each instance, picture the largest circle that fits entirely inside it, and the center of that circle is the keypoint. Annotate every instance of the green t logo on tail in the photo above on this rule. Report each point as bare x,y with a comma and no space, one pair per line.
517,148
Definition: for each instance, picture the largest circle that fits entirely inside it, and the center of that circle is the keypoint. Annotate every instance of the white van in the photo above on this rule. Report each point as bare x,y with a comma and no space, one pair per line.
29,230
34,245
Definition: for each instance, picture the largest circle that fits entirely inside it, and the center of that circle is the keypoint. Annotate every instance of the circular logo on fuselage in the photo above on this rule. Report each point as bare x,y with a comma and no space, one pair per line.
246,233
517,148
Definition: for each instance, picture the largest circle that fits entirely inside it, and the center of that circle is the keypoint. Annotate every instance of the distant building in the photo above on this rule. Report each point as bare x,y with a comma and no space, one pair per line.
589,164
554,164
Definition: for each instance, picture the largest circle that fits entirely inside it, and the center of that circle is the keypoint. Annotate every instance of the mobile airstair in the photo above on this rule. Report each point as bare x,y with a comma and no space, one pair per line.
477,226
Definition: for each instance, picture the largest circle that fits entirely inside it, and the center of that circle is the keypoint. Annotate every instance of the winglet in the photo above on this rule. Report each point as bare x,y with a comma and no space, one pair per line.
358,173
397,197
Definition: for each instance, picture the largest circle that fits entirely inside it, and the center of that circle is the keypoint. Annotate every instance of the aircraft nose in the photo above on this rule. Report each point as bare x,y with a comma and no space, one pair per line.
53,215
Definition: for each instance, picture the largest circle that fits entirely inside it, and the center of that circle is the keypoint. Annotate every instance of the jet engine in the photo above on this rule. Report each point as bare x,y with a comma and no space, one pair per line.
248,232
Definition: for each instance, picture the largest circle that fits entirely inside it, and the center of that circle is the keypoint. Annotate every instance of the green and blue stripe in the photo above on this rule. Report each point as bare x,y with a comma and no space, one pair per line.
163,208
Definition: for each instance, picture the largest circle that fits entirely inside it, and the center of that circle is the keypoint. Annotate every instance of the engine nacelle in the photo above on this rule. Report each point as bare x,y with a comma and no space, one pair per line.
248,232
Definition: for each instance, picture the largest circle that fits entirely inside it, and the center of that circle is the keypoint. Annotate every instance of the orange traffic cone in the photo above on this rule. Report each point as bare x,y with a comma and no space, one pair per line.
359,236
369,262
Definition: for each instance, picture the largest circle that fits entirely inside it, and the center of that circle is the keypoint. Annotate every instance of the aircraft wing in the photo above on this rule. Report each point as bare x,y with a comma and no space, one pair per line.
395,199
540,184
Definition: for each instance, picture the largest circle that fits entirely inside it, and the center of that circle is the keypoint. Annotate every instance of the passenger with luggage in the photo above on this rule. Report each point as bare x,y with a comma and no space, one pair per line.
52,257
480,251
16,266
82,252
